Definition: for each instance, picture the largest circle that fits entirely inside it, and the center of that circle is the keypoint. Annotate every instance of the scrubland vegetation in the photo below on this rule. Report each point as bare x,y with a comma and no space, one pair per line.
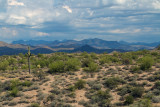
130,79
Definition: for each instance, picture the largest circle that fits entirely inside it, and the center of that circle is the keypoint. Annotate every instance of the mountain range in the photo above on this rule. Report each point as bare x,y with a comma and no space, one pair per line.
89,45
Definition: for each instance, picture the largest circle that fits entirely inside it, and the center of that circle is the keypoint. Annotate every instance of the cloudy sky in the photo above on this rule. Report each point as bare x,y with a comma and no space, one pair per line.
128,20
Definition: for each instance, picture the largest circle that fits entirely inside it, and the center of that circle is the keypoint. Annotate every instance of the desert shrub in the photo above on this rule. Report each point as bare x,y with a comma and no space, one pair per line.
113,82
92,67
57,66
72,88
22,61
158,47
104,59
86,62
72,64
12,61
42,62
39,74
137,92
26,83
126,61
134,69
85,54
40,55
129,100
13,103
146,63
157,85
144,103
156,99
14,83
14,92
154,78
93,55
154,53
4,65
24,66
124,90
80,84
96,86
102,98
34,105
21,55
149,95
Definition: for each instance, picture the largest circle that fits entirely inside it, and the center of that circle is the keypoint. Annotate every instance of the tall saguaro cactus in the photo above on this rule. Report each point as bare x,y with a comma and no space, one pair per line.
29,55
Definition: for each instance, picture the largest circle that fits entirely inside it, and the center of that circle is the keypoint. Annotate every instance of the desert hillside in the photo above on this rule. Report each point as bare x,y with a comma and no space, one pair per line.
130,79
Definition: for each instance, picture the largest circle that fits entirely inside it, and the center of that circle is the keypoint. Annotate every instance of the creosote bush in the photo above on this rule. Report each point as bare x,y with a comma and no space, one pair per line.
137,92
4,65
58,66
63,66
147,63
113,82
129,100
92,67
80,84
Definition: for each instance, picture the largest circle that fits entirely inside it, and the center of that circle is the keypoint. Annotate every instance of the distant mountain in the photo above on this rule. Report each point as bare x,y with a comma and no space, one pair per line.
89,49
96,43
13,49
141,43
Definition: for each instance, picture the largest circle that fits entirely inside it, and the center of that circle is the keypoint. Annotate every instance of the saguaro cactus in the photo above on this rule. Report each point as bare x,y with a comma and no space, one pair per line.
29,55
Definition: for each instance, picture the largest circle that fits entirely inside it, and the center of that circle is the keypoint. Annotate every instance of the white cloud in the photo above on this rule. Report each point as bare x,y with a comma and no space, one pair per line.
42,34
15,3
128,30
87,17
156,4
15,19
68,9
121,1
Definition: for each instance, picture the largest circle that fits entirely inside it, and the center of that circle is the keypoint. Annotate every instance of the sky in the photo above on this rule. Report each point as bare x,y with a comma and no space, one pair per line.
112,20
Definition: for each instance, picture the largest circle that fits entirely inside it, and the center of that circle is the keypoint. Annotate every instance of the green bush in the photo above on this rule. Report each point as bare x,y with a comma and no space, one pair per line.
86,62
80,84
157,85
92,67
72,88
156,99
158,47
113,82
134,69
72,64
129,100
126,61
4,65
147,63
145,103
12,61
34,105
137,92
57,66
26,83
102,98
14,92
39,74
124,90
